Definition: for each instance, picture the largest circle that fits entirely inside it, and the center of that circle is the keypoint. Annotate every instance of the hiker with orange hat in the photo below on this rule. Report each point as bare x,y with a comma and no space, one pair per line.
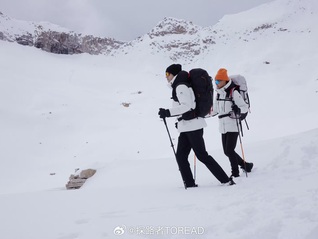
229,106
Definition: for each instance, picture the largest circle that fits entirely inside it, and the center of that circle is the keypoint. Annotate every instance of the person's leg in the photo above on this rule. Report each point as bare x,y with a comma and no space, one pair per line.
183,151
198,145
229,141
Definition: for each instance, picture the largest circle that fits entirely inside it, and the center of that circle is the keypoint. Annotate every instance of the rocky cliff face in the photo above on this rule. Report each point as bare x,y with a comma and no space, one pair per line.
179,38
174,38
71,43
52,38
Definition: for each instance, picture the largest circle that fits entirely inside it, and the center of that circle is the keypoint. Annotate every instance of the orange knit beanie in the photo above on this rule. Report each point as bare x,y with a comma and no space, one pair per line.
222,75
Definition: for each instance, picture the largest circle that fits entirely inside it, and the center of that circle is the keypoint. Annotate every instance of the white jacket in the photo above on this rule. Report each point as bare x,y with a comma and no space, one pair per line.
221,107
186,102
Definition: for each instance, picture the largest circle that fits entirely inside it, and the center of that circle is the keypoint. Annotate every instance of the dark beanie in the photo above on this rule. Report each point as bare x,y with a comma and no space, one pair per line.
174,69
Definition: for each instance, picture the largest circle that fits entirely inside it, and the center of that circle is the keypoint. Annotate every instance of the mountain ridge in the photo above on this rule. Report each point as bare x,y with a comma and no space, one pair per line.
53,38
174,38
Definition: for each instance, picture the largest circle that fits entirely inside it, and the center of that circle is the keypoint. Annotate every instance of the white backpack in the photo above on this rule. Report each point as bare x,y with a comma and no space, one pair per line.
240,81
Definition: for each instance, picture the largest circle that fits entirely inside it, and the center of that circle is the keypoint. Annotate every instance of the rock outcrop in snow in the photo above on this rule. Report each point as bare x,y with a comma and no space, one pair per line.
53,38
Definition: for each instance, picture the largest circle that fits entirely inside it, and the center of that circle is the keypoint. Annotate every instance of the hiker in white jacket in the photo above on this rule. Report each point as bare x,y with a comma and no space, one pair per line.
228,106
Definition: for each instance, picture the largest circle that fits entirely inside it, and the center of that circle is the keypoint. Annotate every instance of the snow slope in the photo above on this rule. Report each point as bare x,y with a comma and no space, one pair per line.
60,112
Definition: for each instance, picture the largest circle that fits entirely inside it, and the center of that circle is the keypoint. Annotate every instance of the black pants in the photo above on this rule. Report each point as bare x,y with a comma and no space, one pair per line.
194,140
229,141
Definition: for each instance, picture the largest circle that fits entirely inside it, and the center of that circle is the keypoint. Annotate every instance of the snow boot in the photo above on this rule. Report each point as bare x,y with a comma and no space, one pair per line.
235,172
192,186
231,182
248,167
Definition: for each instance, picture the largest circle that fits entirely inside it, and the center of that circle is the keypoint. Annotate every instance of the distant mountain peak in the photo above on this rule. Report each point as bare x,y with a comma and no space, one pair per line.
173,26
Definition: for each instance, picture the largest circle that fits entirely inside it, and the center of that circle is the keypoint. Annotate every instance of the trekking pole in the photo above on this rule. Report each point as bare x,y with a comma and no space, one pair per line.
237,124
249,109
241,128
195,167
246,124
174,151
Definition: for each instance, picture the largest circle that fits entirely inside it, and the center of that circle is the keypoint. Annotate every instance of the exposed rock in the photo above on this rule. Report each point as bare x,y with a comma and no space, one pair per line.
2,36
68,43
54,39
126,104
58,42
77,181
87,173
172,26
26,40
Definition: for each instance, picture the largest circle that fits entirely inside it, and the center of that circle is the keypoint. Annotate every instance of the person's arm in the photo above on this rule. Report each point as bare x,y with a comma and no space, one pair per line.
239,101
186,100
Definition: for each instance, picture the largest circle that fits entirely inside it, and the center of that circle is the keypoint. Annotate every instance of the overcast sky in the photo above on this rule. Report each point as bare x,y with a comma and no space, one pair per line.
122,19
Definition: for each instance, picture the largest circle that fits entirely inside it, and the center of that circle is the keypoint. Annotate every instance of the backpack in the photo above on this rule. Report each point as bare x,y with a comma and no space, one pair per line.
240,81
201,83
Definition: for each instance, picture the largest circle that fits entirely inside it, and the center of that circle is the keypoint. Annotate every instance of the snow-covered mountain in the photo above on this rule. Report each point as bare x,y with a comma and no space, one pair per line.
177,39
63,112
181,40
53,38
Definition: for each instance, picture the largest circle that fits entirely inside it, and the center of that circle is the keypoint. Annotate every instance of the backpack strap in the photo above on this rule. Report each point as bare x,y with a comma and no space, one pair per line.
191,114
174,90
242,116
230,93
228,97
217,96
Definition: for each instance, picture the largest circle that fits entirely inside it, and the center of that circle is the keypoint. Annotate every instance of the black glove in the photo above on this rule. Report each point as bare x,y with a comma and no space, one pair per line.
163,113
243,116
236,109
